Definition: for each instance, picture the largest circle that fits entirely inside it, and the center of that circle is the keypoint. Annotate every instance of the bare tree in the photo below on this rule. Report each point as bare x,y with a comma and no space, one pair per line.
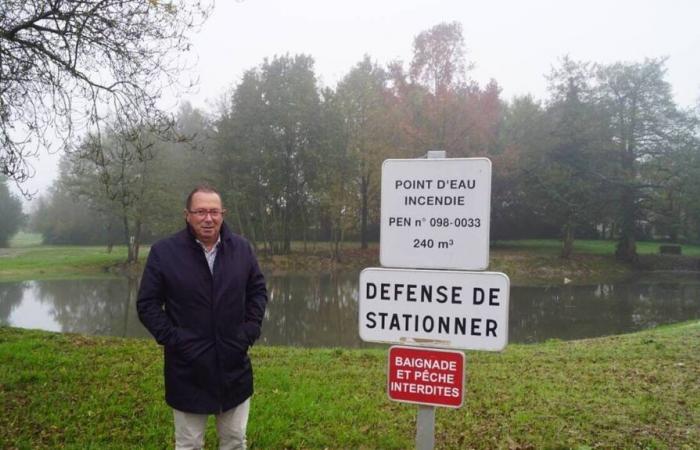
438,58
63,63
113,172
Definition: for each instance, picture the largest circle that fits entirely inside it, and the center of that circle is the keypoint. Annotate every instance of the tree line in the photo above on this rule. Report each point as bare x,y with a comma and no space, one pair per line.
607,154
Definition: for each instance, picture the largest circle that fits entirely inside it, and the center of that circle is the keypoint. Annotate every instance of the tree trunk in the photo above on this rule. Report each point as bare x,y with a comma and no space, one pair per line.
674,214
264,232
364,209
237,212
129,248
286,233
136,242
336,237
304,229
338,243
110,242
627,247
567,248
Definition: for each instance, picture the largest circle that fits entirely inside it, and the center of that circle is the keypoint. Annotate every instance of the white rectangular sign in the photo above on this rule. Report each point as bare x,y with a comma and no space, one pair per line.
448,309
435,213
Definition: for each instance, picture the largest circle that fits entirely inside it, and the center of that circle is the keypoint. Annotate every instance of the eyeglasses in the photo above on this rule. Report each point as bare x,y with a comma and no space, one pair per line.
202,213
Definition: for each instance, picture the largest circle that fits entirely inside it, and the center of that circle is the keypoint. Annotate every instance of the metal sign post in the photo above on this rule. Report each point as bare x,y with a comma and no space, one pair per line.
425,422
425,428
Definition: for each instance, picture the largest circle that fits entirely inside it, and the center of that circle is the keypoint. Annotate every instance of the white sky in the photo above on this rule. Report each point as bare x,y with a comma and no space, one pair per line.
514,42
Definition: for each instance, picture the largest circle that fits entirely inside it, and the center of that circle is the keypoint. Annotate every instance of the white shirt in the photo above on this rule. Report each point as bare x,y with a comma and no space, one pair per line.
210,254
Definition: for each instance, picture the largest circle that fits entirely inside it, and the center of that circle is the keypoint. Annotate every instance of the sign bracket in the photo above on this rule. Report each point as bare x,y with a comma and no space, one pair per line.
436,154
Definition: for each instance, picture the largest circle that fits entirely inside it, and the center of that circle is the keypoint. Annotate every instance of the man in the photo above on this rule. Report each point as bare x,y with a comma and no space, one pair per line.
203,298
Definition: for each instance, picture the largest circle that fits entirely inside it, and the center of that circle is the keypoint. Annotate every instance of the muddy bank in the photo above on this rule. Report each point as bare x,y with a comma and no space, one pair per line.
678,263
522,267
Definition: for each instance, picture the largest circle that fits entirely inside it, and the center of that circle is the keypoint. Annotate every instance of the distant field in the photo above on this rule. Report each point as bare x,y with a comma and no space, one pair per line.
595,247
28,258
24,239
525,261
590,246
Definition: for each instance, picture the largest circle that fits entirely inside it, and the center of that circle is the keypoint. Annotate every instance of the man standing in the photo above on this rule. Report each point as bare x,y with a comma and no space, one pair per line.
203,298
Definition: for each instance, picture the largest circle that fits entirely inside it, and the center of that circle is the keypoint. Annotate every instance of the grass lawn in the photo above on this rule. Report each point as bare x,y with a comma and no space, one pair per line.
639,390
58,261
587,246
24,239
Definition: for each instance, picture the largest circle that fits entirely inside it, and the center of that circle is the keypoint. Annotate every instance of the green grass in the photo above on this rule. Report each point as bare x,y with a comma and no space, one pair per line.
54,261
633,391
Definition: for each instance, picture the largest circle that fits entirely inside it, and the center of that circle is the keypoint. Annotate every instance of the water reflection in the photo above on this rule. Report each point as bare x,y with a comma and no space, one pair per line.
91,306
313,310
574,312
10,298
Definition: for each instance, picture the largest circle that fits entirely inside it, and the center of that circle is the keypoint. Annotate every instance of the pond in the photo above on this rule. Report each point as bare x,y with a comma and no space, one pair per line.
312,310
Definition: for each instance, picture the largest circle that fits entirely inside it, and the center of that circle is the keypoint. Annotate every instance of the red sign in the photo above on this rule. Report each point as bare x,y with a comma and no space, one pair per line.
426,376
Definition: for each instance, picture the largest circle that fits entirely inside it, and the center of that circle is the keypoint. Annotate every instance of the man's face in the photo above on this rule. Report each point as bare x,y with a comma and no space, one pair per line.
205,216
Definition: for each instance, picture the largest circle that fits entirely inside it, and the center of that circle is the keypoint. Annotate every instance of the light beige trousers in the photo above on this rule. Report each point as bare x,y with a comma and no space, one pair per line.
230,426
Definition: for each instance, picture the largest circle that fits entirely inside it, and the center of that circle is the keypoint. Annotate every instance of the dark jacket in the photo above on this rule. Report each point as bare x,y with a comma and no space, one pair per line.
205,323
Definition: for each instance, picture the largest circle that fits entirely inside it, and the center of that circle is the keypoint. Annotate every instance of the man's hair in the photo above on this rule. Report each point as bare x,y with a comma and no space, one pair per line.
201,188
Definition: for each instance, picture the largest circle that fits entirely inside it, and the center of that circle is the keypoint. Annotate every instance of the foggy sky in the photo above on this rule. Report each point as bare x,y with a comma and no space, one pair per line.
516,43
